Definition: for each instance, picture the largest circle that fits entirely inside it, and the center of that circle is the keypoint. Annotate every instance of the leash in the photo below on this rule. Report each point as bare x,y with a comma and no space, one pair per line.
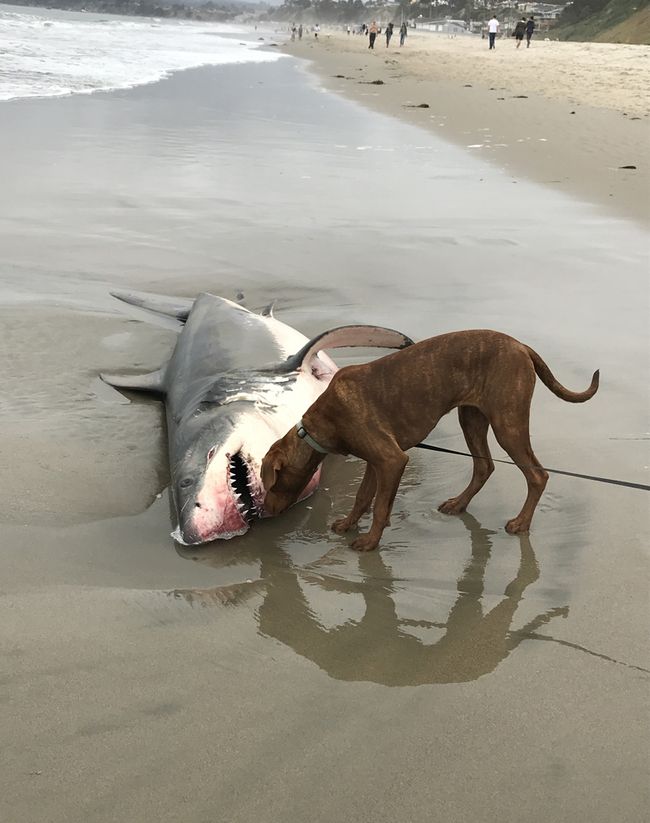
303,434
626,483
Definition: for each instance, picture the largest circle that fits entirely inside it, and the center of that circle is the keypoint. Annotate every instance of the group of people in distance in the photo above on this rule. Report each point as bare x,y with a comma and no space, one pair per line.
522,28
297,30
373,30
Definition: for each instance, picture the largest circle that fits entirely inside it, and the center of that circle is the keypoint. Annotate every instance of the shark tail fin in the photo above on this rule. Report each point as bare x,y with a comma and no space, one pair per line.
345,337
152,382
176,307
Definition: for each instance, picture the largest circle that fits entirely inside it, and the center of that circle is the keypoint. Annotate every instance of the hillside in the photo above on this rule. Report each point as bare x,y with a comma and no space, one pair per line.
616,21
214,10
636,29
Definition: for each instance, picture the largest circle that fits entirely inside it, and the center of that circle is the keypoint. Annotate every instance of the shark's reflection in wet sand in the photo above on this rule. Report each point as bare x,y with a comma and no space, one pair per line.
378,647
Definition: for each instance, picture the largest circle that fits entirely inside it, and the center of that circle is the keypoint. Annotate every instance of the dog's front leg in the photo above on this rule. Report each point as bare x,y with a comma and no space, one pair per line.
362,502
388,474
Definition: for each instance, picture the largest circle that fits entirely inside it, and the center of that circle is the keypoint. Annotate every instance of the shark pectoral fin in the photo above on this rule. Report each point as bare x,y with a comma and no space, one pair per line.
344,337
148,382
176,307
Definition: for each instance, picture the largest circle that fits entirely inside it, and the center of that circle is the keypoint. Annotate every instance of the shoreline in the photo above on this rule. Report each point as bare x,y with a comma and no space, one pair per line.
522,123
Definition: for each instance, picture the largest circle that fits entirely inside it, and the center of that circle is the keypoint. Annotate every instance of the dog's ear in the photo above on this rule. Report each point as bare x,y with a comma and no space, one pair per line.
271,465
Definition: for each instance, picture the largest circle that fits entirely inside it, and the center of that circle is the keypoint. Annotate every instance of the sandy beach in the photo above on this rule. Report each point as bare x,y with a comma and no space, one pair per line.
458,674
568,115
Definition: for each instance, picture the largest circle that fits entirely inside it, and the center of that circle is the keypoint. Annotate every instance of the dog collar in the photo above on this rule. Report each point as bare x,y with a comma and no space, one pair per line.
303,434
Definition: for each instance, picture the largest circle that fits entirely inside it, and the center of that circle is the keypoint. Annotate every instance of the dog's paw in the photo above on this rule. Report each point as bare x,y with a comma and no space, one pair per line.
517,526
365,543
455,505
342,525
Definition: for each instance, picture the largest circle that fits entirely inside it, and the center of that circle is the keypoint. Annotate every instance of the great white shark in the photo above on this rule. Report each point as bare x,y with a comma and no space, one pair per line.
236,382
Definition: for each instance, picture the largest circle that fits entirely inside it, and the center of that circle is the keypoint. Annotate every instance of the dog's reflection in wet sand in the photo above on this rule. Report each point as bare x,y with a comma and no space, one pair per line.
379,647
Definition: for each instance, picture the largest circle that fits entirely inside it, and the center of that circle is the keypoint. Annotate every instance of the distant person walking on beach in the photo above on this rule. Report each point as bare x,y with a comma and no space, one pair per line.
300,32
372,35
518,33
403,31
493,28
530,28
389,33
316,30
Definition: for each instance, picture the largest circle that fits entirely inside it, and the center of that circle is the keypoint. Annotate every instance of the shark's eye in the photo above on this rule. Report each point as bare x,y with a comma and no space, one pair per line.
211,453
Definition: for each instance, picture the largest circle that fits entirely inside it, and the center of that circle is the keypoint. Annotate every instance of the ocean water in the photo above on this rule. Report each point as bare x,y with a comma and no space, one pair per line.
49,53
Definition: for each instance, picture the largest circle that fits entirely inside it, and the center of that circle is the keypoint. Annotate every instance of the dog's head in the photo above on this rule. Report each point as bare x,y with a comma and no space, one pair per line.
286,471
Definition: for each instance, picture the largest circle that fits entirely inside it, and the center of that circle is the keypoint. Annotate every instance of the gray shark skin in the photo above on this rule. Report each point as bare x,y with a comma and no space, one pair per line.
235,383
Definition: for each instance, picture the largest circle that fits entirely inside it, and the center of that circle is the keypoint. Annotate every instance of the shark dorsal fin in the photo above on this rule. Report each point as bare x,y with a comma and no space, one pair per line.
344,337
152,382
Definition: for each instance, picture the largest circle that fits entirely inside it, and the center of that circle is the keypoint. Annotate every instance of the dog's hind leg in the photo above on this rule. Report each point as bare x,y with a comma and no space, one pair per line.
513,436
362,502
475,426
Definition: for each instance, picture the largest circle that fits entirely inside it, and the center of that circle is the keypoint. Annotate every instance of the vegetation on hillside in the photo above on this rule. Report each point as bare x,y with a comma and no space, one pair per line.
356,11
321,11
636,29
596,19
217,10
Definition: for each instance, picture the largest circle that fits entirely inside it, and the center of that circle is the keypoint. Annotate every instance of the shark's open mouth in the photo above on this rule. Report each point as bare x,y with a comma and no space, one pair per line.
239,476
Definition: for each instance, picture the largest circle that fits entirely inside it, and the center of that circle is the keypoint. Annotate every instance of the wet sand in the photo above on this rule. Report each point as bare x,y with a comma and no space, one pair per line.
567,115
459,673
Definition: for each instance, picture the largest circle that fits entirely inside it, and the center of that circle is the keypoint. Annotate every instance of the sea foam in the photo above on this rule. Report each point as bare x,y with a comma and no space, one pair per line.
48,53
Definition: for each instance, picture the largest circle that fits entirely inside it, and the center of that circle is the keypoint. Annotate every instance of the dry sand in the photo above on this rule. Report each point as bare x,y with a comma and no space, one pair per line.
569,115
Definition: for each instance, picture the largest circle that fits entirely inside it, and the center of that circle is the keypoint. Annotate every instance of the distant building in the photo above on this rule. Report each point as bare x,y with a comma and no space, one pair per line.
542,11
445,26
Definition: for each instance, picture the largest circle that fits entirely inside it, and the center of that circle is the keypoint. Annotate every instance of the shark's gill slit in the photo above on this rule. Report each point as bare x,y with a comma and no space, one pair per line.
239,485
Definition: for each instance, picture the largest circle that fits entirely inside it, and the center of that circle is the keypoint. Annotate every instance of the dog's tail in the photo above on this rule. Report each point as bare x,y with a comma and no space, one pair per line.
549,380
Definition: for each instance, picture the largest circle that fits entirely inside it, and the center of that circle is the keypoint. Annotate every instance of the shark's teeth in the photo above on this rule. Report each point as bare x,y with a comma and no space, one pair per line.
241,481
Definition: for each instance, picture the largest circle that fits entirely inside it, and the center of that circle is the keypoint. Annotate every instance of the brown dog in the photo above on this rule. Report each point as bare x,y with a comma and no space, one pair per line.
378,410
